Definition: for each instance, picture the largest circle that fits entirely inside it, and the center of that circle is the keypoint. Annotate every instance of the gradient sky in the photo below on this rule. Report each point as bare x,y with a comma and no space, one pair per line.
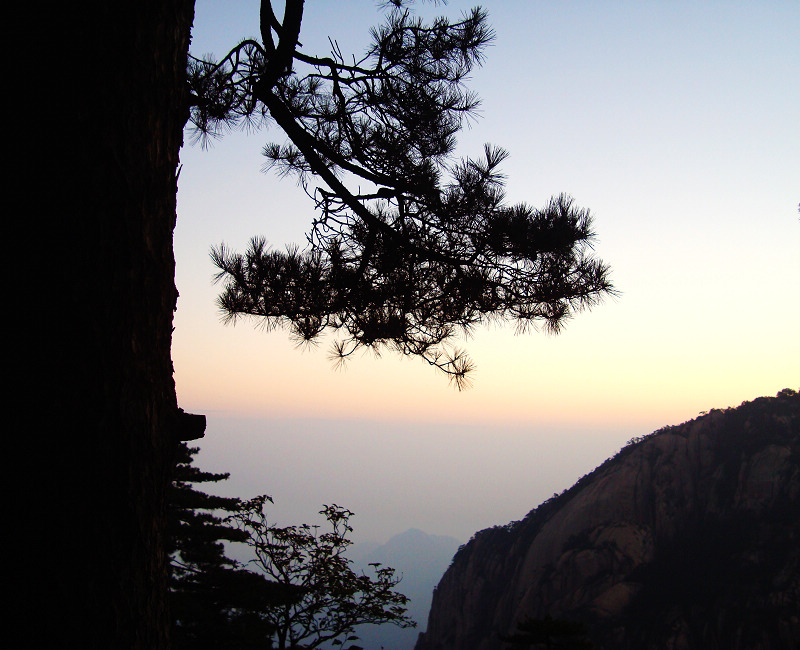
676,123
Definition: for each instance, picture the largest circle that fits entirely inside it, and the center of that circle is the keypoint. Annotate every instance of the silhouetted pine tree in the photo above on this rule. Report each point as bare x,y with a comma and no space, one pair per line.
303,594
214,602
410,246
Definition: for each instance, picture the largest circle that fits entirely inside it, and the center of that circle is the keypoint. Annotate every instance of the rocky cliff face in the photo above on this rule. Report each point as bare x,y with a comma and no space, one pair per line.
687,539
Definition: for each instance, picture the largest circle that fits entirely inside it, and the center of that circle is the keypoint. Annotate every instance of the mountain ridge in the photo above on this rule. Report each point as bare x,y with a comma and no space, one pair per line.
693,528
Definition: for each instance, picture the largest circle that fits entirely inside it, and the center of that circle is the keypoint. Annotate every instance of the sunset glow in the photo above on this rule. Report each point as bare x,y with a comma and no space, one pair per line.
674,123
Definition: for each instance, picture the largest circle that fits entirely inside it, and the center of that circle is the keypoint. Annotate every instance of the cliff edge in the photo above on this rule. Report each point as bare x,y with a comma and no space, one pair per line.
688,538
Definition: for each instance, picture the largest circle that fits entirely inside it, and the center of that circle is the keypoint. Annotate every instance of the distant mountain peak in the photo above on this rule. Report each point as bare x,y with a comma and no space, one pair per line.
420,559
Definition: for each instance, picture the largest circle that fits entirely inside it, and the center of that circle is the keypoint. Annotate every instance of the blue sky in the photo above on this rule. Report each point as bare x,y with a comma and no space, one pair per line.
675,123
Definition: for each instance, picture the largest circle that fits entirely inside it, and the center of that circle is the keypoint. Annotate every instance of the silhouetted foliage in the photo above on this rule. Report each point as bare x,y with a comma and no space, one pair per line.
410,246
332,599
215,603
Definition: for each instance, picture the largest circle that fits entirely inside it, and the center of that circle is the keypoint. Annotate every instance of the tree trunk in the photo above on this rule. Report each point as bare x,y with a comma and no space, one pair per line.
104,84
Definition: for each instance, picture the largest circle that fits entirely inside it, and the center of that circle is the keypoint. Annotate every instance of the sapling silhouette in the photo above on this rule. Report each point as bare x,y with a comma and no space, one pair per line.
332,598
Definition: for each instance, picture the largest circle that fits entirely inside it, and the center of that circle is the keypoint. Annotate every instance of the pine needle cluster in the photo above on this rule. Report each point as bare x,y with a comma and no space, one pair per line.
410,246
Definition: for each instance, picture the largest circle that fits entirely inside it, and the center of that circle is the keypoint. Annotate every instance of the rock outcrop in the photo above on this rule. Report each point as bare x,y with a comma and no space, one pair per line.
688,538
